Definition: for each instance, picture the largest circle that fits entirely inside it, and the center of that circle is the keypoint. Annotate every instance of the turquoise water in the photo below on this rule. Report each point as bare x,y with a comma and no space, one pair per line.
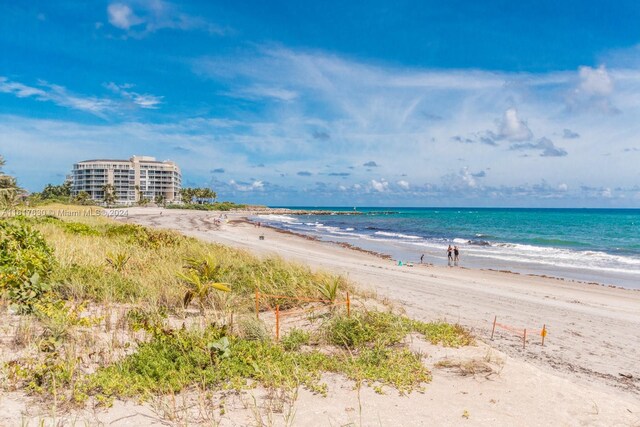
601,245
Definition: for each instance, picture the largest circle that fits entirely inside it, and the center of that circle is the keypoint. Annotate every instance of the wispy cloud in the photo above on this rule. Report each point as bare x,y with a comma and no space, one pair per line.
138,18
142,100
60,95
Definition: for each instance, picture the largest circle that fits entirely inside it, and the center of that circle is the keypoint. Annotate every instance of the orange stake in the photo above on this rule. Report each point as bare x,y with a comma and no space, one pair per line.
348,305
277,322
543,333
495,318
524,339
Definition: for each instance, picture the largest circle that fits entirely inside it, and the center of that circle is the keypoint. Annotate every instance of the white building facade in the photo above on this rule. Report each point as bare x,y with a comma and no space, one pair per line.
140,177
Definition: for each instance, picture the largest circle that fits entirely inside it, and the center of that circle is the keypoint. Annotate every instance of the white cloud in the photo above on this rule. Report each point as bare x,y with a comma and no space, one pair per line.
58,95
512,128
380,186
259,92
142,100
18,89
593,91
121,16
595,81
256,185
139,18
403,184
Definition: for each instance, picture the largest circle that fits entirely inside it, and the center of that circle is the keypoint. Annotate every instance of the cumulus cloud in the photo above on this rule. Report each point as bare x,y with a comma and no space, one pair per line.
595,81
371,164
512,128
121,16
593,91
462,180
379,186
547,147
403,184
255,185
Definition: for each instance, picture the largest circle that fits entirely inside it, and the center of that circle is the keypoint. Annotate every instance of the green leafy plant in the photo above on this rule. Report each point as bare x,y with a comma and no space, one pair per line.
295,339
220,348
27,293
118,260
197,288
25,264
329,289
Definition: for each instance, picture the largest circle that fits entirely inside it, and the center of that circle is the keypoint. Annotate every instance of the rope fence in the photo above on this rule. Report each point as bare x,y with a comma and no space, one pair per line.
520,332
278,314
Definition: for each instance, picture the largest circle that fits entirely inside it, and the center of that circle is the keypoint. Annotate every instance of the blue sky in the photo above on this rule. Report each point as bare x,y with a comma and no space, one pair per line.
414,103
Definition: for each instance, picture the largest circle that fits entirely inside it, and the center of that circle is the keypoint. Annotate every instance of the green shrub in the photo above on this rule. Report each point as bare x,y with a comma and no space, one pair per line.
295,339
252,329
145,237
443,333
366,328
25,263
80,229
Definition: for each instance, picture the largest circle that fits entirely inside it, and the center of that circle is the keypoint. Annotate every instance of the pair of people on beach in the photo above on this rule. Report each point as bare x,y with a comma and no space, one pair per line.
453,254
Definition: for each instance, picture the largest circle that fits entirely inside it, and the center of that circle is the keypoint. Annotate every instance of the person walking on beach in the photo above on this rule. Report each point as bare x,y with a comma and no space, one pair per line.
456,255
421,258
449,255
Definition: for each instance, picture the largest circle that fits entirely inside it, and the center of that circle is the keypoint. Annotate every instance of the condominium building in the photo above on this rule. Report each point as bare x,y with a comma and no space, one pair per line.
140,177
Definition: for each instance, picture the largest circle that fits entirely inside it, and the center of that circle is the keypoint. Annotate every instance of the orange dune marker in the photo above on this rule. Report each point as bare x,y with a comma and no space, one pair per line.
495,318
348,305
543,333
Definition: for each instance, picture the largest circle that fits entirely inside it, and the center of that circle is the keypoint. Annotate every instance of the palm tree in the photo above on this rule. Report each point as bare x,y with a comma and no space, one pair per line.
109,197
9,191
201,278
82,198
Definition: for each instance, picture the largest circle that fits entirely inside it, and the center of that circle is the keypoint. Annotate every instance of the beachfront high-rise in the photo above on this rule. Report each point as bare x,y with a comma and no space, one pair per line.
132,180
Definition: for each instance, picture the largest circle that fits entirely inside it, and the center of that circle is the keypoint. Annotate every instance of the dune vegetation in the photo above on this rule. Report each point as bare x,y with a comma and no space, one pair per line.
99,309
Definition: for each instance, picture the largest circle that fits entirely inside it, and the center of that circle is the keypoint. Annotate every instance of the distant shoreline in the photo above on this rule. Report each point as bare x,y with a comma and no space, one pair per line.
380,236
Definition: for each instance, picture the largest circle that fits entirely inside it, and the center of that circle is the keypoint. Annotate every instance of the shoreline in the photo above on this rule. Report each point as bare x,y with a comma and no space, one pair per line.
386,256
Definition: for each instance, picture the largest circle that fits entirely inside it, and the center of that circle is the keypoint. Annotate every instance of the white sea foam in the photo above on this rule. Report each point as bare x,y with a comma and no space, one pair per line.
280,218
400,235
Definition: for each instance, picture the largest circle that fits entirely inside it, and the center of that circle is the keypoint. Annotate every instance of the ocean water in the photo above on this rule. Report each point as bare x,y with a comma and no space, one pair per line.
595,245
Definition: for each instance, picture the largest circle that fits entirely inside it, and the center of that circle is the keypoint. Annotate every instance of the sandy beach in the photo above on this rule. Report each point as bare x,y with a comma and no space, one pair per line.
587,372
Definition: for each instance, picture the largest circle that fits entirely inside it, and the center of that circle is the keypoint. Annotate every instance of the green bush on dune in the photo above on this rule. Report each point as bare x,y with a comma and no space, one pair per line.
26,261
